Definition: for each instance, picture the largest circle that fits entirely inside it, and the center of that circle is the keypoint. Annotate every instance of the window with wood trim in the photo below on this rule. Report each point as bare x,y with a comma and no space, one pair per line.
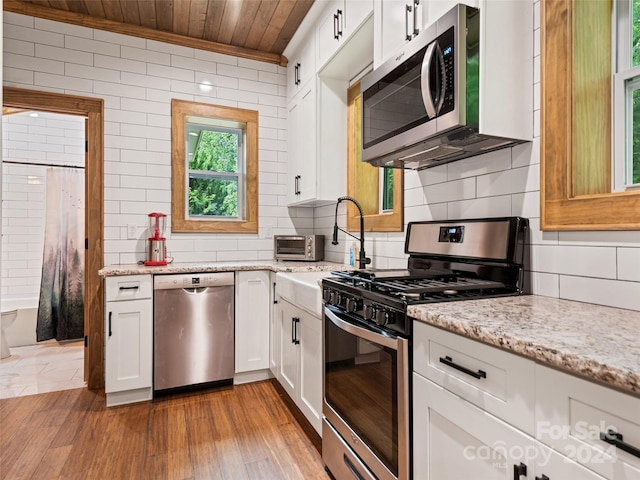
576,121
214,162
378,190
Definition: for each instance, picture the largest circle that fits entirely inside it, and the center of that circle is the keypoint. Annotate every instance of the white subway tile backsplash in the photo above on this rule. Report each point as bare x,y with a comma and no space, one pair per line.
585,261
32,63
517,180
63,55
497,161
602,292
62,82
216,57
18,47
117,38
119,64
146,56
92,46
173,73
21,32
629,264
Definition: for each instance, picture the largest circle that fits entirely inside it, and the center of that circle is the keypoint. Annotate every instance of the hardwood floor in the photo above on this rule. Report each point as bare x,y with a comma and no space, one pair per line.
240,432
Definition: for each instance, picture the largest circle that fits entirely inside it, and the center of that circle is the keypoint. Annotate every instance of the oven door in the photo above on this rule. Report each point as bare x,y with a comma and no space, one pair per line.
366,399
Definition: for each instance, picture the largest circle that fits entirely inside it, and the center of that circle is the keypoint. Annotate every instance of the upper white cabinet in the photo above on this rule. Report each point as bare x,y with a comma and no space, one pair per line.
400,21
302,145
252,320
301,67
335,28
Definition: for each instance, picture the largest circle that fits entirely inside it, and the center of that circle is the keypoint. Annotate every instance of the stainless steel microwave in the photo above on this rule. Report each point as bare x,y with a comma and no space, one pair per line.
441,98
306,248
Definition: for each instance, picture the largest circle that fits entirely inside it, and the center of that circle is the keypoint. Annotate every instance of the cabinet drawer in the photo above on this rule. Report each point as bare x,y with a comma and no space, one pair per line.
496,381
573,415
130,287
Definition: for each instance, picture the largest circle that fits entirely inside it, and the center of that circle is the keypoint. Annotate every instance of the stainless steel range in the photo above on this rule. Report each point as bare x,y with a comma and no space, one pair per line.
367,335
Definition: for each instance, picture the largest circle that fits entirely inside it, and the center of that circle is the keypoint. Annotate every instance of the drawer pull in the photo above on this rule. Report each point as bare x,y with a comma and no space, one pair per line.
136,287
543,477
449,361
614,438
519,470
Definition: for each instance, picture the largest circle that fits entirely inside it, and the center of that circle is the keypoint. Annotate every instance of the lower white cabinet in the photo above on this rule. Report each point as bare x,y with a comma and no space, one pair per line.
128,333
300,359
453,439
252,321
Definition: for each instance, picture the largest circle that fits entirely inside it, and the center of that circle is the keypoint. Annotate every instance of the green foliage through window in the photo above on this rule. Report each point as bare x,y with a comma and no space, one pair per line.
214,167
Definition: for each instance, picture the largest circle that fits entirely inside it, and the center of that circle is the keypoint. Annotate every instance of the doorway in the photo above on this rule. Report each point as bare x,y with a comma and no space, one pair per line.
92,110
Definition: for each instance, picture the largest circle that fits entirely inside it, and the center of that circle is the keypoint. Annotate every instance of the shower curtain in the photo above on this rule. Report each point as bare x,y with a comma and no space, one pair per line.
61,306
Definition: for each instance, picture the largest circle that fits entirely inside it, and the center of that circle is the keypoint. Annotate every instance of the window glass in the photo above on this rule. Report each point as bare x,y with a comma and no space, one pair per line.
214,163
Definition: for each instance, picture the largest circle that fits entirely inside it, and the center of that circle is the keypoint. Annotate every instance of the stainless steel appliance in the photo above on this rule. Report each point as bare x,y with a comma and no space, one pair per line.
367,335
193,331
306,248
443,97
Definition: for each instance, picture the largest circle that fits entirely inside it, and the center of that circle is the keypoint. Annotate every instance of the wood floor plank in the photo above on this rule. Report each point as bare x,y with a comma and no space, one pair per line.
236,433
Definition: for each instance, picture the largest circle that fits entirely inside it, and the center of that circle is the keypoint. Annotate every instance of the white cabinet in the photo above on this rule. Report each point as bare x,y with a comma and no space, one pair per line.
592,424
454,439
302,145
128,339
344,18
301,67
274,329
300,370
252,321
400,21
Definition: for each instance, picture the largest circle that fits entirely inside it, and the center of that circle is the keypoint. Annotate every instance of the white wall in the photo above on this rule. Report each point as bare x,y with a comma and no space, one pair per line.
137,79
48,138
594,267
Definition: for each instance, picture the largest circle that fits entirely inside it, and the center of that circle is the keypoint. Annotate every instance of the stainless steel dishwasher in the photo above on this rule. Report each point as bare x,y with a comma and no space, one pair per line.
193,331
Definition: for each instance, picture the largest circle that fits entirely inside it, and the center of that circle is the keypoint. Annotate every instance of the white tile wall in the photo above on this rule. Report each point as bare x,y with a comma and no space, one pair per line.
48,138
137,80
595,267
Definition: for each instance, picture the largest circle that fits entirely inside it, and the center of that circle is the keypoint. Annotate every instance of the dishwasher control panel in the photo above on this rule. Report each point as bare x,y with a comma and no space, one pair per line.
192,280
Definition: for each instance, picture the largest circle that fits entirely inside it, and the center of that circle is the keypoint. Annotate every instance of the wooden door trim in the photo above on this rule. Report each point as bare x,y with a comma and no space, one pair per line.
92,109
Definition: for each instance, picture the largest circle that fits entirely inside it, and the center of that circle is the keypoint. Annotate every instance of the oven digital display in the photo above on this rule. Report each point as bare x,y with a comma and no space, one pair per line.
451,234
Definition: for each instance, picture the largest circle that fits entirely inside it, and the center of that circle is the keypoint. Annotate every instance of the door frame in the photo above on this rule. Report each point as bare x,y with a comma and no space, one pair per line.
92,109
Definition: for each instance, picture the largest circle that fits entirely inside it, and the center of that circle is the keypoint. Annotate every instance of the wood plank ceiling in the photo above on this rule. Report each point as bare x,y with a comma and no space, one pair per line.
256,29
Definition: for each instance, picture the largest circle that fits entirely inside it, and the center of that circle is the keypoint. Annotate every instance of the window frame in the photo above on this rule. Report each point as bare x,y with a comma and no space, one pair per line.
561,168
180,221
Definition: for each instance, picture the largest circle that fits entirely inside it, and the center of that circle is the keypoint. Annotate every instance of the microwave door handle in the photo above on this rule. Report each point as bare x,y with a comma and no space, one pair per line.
425,83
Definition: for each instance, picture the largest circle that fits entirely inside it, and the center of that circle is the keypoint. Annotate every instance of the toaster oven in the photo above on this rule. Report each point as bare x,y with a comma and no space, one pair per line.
306,248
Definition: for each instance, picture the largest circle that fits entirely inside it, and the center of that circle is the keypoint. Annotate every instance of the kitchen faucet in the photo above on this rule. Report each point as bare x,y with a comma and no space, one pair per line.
363,260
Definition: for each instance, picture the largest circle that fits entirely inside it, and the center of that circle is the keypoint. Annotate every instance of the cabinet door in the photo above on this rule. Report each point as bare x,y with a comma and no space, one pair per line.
302,146
397,18
453,439
331,32
310,335
128,345
288,374
252,320
274,330
550,465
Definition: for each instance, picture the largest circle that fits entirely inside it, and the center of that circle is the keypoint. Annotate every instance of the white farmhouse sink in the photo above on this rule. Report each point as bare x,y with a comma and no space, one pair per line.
302,289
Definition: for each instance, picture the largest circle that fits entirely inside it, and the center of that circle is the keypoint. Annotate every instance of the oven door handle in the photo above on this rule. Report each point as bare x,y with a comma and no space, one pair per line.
380,338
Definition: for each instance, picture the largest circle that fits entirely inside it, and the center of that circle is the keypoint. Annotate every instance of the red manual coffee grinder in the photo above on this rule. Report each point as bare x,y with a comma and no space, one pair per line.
157,252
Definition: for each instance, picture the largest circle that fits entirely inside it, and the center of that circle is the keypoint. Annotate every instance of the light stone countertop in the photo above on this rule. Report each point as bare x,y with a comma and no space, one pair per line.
597,342
206,267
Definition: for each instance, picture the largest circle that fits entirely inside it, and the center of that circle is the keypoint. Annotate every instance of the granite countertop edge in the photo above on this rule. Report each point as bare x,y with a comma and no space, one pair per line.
225,266
573,340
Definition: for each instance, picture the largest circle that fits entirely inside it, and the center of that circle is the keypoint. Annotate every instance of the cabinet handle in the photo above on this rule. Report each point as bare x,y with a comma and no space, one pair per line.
519,470
542,477
335,25
340,23
406,21
296,185
416,27
275,299
614,438
294,330
297,80
110,332
135,287
449,361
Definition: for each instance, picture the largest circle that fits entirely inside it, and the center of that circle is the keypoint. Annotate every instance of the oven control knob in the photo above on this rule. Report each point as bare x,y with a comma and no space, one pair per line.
369,312
351,304
384,317
326,295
